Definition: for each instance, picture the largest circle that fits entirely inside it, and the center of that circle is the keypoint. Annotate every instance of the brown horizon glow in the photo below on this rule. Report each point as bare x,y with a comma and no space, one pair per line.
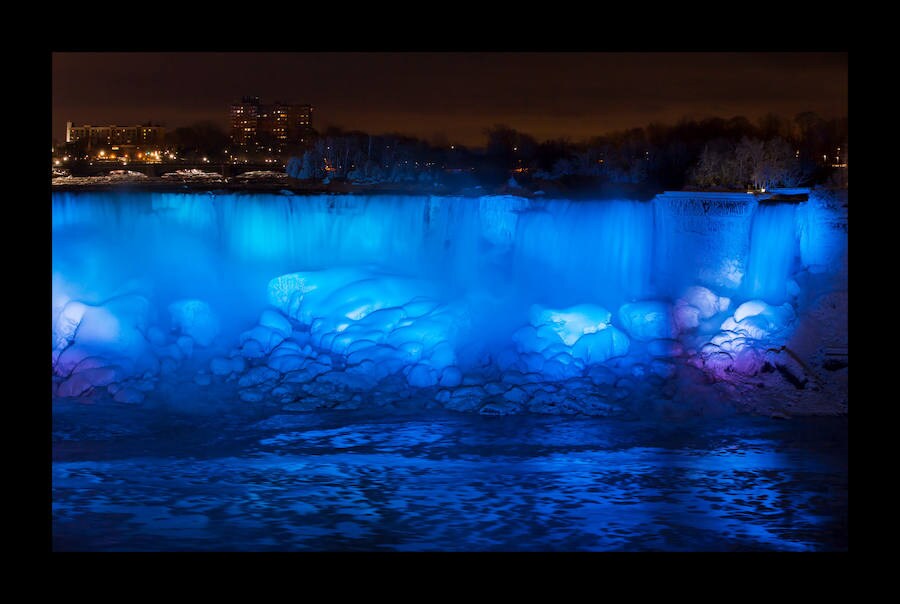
453,95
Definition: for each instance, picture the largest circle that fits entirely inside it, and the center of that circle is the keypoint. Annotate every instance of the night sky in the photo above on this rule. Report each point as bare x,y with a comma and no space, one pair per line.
456,95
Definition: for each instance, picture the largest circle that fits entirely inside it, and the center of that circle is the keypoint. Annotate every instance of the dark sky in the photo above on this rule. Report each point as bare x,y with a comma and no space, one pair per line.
548,95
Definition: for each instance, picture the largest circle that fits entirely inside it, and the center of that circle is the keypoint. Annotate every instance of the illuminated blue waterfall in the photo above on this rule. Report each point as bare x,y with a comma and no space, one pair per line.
279,293
599,251
269,371
773,252
227,247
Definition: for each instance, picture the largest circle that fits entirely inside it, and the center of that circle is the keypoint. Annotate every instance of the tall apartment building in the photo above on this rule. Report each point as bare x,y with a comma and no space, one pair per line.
255,126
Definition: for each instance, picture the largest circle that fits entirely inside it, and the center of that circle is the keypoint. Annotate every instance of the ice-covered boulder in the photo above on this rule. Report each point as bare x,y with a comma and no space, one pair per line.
601,346
573,322
266,338
341,293
196,319
258,375
748,361
695,305
601,376
741,344
117,325
223,366
749,309
704,300
82,381
451,377
685,317
112,332
718,363
66,324
275,321
758,320
287,363
648,320
422,376
560,343
377,322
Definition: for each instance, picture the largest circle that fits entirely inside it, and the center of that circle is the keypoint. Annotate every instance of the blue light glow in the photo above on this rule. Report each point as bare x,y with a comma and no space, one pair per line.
323,300
213,335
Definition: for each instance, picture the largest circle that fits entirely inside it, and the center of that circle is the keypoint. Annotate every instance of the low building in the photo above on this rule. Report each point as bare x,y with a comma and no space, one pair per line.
144,135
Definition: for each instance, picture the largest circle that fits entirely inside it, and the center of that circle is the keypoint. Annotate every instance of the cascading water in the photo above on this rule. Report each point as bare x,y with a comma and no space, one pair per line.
593,251
477,302
773,252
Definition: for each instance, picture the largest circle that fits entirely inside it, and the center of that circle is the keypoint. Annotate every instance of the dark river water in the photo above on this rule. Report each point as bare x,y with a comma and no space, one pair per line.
127,478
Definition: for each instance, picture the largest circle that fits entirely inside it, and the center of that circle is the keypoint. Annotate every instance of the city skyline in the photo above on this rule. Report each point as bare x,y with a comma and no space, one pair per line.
451,95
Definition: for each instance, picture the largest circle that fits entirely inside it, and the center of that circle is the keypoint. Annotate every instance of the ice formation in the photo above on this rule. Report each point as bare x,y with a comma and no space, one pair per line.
492,304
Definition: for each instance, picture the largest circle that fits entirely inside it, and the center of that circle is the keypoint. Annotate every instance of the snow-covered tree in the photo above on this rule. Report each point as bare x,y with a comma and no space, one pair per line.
309,166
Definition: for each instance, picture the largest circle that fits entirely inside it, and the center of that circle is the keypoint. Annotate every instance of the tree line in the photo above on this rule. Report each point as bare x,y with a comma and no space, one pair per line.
714,153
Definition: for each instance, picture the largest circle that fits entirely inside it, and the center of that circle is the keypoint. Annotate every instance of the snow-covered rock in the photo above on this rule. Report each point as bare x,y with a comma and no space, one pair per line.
748,361
601,346
112,332
757,320
422,376
573,322
266,337
367,316
647,320
685,317
66,324
704,300
258,375
559,343
451,377
275,321
194,318
224,366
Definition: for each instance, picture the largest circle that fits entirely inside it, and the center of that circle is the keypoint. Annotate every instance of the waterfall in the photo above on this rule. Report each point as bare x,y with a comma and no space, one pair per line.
601,251
430,290
774,249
